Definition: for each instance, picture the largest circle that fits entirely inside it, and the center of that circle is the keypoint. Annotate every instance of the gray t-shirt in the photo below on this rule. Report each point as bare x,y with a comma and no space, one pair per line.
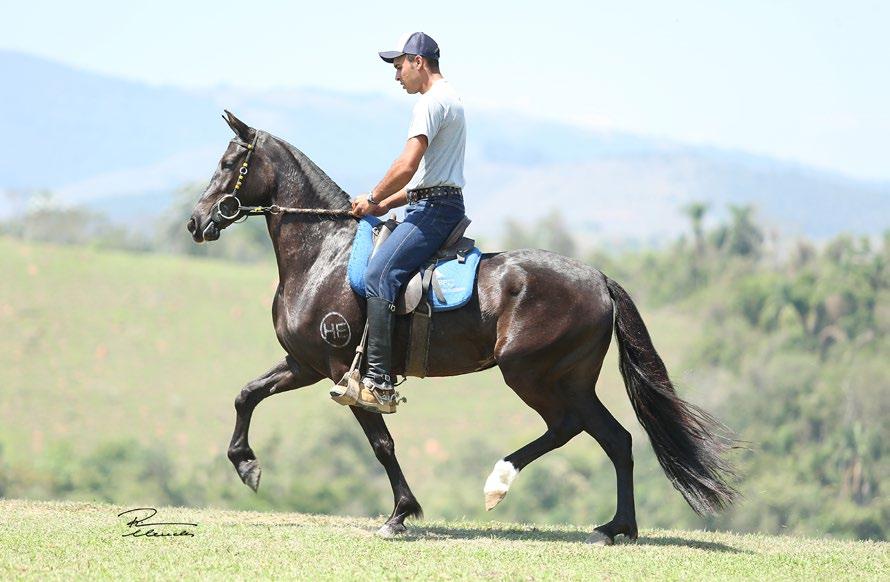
439,115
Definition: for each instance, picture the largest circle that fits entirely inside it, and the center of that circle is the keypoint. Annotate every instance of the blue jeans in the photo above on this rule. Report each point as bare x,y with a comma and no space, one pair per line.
427,224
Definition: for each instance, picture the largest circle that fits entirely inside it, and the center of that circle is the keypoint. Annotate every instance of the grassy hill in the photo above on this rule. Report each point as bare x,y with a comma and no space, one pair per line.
118,372
50,540
122,360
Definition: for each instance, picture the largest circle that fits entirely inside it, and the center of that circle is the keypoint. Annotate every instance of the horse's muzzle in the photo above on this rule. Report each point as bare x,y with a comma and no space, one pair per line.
210,232
193,227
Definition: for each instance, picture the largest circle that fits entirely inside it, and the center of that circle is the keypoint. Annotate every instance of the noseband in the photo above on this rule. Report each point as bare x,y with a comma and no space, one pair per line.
229,206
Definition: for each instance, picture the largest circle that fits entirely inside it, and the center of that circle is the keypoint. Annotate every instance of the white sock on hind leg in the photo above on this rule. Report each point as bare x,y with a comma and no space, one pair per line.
500,479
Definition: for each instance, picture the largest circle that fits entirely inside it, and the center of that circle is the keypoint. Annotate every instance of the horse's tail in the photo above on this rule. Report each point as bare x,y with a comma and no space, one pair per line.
687,440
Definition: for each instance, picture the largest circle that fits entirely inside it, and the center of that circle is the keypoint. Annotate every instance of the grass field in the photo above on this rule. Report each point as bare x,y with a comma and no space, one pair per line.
118,373
63,541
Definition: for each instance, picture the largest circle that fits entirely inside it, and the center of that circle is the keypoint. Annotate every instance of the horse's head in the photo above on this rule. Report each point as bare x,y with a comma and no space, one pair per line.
243,177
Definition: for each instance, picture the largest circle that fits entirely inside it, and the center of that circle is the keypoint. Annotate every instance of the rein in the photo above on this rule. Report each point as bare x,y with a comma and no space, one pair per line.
229,207
234,208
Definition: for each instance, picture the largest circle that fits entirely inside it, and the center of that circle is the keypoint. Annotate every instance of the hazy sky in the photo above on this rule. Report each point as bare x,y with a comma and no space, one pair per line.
802,80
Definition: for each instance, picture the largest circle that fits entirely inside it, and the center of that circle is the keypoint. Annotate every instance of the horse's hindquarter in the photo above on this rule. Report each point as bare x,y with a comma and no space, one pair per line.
527,302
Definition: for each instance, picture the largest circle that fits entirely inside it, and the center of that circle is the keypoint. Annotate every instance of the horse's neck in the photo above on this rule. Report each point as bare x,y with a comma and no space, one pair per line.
308,246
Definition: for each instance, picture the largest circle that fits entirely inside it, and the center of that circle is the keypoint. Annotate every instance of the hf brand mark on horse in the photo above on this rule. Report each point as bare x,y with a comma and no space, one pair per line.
335,330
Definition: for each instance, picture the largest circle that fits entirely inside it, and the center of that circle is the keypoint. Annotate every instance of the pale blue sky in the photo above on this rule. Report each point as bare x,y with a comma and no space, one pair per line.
802,80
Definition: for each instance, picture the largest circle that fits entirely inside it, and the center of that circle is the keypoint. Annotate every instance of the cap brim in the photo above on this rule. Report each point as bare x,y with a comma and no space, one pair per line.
390,56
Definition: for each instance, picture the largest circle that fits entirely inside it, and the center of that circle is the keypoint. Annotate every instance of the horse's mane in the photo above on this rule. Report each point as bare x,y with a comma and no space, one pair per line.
331,195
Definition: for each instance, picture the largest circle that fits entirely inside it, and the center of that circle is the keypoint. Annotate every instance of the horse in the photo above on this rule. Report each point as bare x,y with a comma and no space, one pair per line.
544,319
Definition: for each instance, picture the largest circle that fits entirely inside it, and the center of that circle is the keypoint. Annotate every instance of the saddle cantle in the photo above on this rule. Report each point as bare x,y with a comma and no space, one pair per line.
444,283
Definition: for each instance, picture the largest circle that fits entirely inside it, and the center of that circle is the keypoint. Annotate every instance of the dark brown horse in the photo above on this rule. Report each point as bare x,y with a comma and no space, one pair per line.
545,320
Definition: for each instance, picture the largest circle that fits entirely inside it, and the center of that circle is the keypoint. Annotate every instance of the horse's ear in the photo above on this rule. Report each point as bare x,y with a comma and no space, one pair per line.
240,128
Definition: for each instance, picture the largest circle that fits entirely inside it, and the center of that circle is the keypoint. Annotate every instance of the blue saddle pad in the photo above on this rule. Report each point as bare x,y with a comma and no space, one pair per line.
456,279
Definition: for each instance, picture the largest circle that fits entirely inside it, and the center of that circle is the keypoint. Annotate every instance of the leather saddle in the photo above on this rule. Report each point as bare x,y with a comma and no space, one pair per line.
456,246
413,298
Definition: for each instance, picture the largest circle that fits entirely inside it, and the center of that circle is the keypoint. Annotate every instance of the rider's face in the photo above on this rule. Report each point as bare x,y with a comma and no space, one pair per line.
408,73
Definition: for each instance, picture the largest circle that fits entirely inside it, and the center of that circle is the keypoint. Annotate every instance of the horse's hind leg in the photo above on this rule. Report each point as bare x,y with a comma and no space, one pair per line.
568,406
563,424
284,376
405,504
561,428
616,442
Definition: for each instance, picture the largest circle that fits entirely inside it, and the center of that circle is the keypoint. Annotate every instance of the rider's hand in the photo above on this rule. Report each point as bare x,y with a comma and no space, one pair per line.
361,207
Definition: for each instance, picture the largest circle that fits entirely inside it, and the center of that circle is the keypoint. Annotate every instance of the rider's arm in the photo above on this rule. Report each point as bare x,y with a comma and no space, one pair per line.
400,198
401,171
390,192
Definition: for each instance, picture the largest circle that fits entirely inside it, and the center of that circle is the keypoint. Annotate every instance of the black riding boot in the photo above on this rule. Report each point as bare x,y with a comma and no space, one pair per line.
377,385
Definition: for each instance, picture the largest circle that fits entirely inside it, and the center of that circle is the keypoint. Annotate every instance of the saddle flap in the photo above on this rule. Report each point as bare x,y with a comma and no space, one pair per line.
411,295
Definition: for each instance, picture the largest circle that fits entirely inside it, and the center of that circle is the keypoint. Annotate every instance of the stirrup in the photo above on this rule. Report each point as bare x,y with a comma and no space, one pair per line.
352,391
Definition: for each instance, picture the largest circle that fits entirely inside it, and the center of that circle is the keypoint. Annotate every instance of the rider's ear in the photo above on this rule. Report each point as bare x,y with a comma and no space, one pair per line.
240,128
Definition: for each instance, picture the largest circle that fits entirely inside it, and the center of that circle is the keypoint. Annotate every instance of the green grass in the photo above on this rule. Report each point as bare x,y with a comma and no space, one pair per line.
61,541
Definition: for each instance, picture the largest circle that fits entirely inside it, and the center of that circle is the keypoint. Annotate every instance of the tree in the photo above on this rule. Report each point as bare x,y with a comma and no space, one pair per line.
742,236
696,212
550,232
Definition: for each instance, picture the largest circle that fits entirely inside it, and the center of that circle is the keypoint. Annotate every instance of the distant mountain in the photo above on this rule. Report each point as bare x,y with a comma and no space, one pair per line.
126,146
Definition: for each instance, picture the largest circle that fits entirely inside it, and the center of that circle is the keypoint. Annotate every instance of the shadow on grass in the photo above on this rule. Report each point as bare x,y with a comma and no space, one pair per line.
436,532
684,543
530,534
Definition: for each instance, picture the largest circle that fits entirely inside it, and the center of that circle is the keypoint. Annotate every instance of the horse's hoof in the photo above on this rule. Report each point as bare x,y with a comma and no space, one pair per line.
492,498
250,473
498,483
598,538
391,530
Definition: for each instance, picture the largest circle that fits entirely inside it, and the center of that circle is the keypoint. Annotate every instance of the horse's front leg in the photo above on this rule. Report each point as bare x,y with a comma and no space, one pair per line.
405,504
286,375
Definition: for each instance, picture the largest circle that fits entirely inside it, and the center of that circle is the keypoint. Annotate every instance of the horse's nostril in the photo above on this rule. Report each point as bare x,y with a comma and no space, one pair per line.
191,225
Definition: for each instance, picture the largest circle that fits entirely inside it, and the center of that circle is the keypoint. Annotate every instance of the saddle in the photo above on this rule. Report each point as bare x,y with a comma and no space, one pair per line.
456,246
413,298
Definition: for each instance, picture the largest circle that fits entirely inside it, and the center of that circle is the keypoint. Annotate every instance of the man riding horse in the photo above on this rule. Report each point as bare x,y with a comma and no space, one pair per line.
544,320
428,176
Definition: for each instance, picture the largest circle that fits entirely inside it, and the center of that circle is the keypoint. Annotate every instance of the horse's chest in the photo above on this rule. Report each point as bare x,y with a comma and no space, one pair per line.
293,317
307,320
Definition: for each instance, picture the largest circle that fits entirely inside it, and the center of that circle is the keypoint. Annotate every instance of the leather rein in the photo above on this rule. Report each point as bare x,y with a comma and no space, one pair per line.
229,207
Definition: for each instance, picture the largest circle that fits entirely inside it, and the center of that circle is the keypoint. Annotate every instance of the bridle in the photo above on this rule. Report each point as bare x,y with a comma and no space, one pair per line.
229,207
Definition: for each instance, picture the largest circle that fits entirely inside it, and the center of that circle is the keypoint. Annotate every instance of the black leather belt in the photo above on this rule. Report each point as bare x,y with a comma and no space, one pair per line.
415,196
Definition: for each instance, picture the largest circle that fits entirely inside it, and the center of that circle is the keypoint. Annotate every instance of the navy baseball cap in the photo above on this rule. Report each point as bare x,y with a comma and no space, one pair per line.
413,43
